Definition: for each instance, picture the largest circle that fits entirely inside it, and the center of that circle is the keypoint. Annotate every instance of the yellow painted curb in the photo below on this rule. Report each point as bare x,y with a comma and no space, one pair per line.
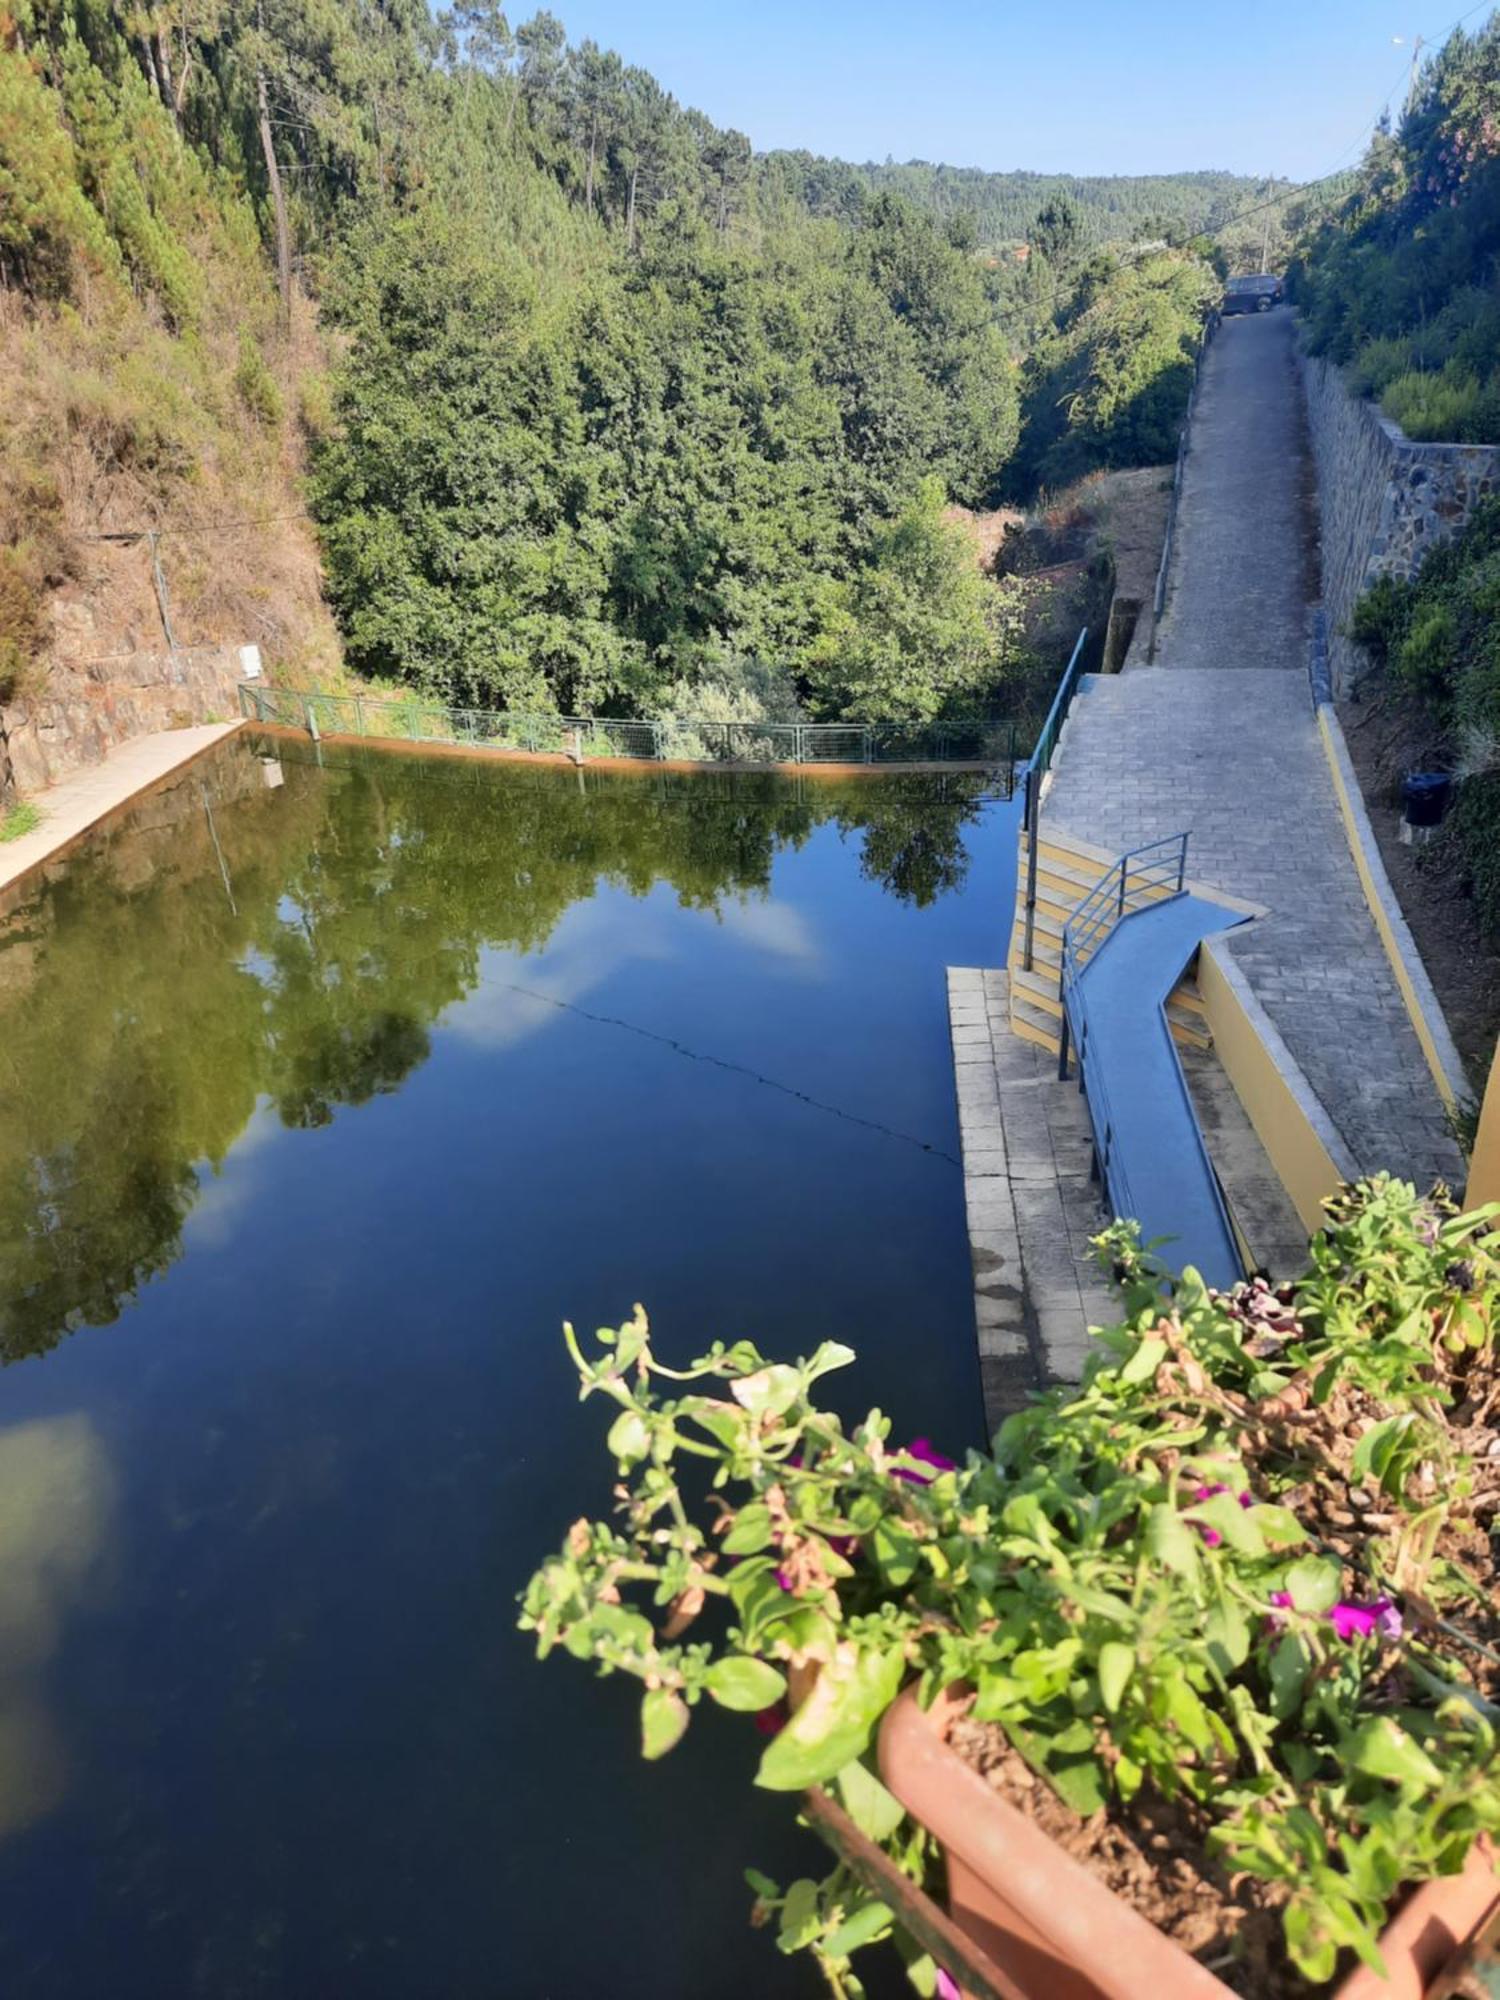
1366,859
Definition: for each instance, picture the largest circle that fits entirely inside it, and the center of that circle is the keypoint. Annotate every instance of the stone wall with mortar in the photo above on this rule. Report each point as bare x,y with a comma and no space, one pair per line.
86,707
1384,500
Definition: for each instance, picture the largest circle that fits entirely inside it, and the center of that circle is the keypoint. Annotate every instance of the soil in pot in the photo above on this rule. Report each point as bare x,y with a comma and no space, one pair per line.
1157,1861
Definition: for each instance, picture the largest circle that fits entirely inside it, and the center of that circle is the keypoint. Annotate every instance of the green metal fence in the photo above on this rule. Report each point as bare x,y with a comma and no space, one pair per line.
1037,766
977,740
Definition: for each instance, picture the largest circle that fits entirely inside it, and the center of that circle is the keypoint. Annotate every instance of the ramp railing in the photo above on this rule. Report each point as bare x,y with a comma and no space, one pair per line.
1141,877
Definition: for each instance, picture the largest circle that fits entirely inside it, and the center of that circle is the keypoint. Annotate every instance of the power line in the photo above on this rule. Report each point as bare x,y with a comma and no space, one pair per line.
205,532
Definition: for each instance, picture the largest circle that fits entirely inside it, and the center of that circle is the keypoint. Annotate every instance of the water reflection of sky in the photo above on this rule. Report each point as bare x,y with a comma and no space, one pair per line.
266,1726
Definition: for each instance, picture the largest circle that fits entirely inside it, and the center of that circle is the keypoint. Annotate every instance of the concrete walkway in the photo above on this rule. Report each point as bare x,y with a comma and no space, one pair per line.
71,808
1220,740
1242,567
1032,1201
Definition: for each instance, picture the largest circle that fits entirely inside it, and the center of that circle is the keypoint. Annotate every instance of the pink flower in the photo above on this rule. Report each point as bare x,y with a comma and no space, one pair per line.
771,1721
1361,1621
1211,1536
1349,1621
928,1453
947,1986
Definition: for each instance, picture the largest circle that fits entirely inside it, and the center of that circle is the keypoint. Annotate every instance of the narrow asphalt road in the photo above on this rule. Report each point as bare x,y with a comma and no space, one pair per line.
1244,567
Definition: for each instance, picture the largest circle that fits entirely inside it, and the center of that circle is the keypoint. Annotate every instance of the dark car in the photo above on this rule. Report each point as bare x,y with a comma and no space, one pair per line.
1252,295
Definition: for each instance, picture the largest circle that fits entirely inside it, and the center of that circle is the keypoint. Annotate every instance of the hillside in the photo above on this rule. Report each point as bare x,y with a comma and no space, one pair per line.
1399,280
591,407
1002,207
150,386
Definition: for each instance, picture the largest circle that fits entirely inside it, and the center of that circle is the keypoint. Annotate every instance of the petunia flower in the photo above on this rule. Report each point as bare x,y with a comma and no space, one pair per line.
925,1450
1361,1621
947,1986
771,1721
1211,1536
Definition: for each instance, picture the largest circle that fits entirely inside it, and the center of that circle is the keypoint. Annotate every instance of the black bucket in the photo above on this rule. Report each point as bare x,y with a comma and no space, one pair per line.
1424,797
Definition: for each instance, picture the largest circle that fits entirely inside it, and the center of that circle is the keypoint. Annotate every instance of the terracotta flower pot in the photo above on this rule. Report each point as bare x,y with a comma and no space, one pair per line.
1058,1933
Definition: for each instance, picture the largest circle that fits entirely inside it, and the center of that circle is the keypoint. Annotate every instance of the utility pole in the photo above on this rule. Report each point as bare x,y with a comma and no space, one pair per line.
1418,44
1265,233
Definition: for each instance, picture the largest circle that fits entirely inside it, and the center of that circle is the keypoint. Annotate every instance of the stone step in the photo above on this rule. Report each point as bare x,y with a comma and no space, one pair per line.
1031,1024
1037,989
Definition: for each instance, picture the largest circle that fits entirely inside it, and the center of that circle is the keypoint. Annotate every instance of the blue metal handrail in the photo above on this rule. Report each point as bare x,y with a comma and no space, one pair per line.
1160,869
1038,764
1133,875
1086,931
1143,879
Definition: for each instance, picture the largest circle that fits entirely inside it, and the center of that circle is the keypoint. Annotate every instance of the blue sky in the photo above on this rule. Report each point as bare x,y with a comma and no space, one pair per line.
1082,86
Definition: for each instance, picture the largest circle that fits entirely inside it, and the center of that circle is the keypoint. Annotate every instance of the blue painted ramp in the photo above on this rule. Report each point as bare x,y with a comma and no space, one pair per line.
1151,1150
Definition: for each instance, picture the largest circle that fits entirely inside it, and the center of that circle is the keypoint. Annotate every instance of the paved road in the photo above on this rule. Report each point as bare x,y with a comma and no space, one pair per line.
1241,574
1220,739
1233,755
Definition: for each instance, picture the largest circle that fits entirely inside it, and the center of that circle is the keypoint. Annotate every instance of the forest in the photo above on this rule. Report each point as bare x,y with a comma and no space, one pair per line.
592,407
1398,281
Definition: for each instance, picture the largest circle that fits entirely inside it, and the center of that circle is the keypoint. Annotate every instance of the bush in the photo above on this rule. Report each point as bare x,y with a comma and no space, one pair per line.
1381,616
256,384
1451,407
1440,637
1474,830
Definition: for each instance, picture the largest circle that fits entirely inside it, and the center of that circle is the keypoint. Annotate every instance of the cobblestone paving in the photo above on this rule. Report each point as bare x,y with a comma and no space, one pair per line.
1239,580
1233,755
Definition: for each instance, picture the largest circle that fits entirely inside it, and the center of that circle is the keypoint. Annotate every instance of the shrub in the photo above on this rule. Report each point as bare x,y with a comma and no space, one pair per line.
256,384
1380,617
1454,406
1474,830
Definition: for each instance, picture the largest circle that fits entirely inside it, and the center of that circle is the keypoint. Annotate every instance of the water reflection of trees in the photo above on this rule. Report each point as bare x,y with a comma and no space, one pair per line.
227,943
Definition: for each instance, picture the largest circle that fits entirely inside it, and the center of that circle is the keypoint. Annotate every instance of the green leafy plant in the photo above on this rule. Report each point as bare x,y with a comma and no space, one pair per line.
23,817
1224,1569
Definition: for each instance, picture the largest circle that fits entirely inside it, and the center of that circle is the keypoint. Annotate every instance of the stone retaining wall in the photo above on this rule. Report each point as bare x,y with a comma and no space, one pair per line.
89,706
1384,500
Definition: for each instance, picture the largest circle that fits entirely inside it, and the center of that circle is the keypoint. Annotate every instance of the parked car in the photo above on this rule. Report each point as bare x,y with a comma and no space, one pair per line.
1252,295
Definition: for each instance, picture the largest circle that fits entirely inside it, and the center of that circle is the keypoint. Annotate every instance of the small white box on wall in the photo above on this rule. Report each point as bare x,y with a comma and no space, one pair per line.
250,663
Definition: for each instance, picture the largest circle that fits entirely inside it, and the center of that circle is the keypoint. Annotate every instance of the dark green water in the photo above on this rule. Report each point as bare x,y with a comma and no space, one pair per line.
322,1103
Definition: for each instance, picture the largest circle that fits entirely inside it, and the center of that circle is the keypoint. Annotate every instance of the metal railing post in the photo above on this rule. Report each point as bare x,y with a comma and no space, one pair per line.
1182,865
1032,813
1124,877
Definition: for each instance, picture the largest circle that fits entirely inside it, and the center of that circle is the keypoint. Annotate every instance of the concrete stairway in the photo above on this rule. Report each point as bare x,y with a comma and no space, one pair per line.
1067,869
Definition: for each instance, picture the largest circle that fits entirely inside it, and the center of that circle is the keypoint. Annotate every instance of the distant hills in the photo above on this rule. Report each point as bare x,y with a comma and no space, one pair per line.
1112,208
